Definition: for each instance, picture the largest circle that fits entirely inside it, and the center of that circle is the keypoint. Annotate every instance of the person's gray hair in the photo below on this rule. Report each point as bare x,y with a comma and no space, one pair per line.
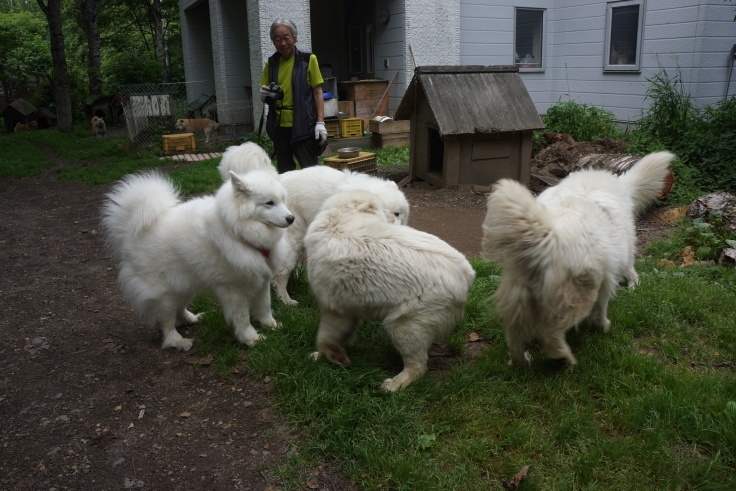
285,23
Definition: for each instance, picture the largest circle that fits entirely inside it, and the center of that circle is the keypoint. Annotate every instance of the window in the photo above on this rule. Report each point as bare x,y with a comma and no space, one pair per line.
529,39
624,24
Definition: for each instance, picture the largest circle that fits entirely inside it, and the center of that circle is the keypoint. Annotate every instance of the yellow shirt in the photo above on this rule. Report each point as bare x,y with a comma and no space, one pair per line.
314,78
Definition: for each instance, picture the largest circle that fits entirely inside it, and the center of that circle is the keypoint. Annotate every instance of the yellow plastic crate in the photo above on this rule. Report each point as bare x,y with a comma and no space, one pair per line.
351,127
365,162
179,143
333,128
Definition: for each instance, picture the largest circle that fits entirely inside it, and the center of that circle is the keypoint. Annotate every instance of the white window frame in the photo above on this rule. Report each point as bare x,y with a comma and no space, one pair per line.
542,42
608,57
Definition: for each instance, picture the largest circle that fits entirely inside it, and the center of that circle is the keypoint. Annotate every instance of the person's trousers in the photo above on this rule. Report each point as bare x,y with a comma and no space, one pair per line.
306,152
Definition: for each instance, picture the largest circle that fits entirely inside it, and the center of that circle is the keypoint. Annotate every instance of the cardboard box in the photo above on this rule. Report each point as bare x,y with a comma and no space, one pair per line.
365,162
179,143
347,107
331,109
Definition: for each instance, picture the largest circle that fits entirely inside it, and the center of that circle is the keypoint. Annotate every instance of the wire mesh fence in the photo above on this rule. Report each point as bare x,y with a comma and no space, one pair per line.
151,110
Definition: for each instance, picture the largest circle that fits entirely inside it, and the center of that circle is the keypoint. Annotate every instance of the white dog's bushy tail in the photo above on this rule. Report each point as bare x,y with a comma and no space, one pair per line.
134,204
516,225
646,178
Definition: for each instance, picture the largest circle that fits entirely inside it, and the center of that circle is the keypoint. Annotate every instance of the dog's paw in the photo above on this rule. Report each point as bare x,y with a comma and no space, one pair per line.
248,336
187,318
335,354
524,361
315,355
290,302
392,385
178,342
271,323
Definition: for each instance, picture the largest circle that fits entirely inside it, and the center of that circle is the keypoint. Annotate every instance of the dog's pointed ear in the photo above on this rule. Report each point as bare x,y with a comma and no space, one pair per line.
239,185
367,206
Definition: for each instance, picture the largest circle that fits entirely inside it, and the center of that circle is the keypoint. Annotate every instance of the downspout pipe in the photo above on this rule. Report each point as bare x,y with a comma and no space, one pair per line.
731,59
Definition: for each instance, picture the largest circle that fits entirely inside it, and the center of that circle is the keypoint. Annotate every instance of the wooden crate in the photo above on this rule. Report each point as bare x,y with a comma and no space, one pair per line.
365,162
379,140
390,126
365,89
351,127
333,128
180,143
366,108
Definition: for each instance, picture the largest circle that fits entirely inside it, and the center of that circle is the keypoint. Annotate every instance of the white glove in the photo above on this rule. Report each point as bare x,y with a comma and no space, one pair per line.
320,132
264,92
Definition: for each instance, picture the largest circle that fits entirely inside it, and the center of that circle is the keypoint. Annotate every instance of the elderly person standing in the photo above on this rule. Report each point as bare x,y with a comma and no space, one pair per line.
295,121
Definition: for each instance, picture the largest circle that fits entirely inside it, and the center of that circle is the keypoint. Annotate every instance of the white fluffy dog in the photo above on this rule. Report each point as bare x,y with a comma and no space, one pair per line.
169,250
564,253
244,158
308,189
362,267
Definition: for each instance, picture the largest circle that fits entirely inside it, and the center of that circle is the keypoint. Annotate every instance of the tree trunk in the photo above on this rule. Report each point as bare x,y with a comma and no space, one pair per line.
158,33
88,8
61,81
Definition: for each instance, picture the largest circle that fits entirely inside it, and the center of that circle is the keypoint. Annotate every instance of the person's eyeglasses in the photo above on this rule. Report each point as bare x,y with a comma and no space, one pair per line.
278,40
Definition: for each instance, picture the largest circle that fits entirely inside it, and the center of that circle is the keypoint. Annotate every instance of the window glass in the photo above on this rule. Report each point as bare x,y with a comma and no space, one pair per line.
529,38
624,24
624,33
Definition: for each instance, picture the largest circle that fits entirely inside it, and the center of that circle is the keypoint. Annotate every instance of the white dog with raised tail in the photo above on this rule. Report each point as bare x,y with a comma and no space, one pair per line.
564,253
169,251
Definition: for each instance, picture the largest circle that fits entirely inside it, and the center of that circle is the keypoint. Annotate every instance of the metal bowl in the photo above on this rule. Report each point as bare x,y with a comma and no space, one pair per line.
349,152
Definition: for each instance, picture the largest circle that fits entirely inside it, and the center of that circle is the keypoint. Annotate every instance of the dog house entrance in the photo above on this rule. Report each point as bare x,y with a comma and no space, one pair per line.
436,151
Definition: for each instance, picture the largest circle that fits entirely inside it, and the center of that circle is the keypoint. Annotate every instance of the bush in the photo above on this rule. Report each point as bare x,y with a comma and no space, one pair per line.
704,138
583,122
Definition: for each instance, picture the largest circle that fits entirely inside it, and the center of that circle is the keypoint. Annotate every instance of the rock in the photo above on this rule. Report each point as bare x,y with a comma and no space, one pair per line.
719,202
728,257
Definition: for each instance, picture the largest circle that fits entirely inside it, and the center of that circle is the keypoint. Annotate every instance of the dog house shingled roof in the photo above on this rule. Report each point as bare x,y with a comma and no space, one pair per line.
470,99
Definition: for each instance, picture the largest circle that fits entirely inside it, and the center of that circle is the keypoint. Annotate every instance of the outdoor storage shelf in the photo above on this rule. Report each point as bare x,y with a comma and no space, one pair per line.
365,163
180,143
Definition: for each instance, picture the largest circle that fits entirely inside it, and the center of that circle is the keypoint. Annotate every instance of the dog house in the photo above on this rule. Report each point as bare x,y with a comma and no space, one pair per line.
469,124
18,111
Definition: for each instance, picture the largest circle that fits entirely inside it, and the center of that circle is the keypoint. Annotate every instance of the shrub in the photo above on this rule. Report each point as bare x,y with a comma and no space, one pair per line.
583,122
703,138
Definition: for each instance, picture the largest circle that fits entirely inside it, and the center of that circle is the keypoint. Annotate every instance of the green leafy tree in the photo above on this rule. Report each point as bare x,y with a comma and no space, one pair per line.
24,49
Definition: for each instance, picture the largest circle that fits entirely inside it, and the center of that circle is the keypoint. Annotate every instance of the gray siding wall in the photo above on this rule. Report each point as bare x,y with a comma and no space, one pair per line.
685,37
421,32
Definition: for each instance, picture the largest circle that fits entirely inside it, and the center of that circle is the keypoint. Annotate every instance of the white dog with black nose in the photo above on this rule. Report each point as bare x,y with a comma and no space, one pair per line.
363,267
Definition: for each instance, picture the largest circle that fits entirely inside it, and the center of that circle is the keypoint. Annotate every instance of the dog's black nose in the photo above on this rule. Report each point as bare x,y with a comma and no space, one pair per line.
290,219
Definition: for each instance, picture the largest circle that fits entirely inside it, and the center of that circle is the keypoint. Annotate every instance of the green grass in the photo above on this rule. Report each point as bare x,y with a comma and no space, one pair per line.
644,409
648,406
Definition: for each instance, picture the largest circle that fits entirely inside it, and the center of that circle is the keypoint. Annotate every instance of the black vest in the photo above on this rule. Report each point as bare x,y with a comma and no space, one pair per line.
305,111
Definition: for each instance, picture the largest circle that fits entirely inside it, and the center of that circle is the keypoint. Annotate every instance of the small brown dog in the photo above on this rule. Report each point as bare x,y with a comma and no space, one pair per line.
208,126
98,127
20,127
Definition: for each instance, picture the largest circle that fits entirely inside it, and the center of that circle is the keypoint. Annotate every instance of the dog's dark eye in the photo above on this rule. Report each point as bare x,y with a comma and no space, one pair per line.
270,203
397,214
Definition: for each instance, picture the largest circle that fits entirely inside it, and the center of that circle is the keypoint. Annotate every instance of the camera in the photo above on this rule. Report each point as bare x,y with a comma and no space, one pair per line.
276,94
